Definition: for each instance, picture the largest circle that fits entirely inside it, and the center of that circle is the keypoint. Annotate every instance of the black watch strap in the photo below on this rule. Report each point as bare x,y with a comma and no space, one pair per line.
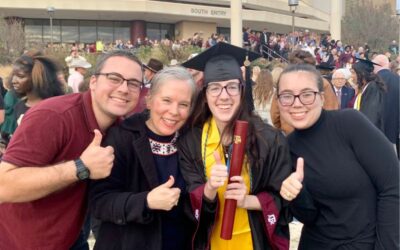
82,172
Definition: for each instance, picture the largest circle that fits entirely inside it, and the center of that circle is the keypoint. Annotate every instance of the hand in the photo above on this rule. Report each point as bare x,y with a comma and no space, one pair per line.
164,197
99,160
218,174
237,190
292,185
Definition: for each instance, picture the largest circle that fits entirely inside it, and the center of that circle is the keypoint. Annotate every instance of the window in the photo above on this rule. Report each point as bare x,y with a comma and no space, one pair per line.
122,31
167,31
153,31
87,31
69,31
158,31
47,31
33,30
224,31
105,31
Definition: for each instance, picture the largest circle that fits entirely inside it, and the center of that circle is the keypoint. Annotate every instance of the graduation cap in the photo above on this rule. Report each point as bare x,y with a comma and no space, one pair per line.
325,66
221,62
366,65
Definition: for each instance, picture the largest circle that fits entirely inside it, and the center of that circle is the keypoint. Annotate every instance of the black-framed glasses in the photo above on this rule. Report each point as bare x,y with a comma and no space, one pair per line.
116,79
306,98
232,88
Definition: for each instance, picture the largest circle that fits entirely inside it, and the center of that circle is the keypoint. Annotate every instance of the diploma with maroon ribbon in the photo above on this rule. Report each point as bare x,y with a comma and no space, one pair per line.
238,152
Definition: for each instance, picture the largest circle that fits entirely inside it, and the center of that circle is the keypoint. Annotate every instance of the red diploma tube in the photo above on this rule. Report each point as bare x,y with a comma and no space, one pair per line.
238,151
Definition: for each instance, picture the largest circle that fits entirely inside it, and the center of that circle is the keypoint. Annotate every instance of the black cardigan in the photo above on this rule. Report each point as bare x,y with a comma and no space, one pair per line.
119,201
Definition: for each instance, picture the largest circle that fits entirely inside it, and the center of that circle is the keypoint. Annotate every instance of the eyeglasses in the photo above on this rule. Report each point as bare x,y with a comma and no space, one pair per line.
116,79
306,98
232,88
339,78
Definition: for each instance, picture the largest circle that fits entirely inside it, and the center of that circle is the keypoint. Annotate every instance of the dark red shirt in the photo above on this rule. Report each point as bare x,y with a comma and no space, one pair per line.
141,105
56,130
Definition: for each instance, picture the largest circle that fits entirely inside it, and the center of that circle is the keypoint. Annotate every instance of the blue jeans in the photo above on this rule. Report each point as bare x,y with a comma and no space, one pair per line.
81,243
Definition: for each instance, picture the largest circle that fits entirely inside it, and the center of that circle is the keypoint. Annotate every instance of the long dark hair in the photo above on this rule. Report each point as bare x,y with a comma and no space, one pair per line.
365,75
43,72
202,113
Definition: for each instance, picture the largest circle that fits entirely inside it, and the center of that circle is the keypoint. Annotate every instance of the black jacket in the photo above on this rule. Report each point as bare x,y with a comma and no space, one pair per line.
119,201
391,112
372,104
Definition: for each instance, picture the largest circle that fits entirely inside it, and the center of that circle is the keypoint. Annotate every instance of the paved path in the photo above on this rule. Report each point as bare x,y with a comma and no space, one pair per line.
295,230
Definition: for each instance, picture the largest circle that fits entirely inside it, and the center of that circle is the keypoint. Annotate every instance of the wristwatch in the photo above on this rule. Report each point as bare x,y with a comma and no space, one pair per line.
82,172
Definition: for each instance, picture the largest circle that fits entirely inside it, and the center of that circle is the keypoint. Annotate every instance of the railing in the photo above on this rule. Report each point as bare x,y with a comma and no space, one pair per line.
272,53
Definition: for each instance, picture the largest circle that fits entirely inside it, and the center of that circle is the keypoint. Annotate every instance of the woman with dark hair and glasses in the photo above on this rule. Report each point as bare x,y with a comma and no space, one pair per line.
347,192
330,99
261,220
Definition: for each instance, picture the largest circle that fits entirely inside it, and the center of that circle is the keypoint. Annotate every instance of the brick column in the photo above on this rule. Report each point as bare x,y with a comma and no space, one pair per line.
138,29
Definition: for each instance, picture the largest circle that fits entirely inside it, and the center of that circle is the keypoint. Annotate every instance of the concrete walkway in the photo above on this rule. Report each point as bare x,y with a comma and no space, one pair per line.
295,231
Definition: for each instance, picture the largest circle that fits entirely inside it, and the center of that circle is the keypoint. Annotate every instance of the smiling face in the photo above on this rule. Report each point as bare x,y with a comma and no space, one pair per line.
110,101
298,115
169,106
21,80
338,80
224,106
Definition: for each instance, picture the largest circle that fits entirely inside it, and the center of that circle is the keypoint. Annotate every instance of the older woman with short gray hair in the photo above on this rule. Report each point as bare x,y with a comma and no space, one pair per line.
143,203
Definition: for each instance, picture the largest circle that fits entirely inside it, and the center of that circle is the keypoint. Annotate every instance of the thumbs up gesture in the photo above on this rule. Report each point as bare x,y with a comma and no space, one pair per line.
292,185
99,160
219,173
164,197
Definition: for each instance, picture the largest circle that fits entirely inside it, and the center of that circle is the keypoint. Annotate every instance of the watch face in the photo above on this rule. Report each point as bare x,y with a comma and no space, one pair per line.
82,175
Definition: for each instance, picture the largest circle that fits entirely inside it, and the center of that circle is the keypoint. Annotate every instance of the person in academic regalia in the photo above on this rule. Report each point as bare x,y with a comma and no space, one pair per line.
371,92
261,219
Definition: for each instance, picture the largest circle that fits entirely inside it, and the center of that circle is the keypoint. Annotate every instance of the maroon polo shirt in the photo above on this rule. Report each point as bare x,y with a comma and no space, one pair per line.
56,130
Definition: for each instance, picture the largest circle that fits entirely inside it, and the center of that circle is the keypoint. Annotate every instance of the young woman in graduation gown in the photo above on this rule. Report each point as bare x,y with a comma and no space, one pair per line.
261,221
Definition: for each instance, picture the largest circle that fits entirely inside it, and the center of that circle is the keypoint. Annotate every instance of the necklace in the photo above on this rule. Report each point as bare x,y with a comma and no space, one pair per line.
227,152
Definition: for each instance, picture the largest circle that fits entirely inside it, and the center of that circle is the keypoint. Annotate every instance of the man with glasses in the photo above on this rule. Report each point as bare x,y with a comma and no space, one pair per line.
44,173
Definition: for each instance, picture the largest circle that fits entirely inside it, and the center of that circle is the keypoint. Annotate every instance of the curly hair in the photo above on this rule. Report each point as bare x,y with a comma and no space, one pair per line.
264,88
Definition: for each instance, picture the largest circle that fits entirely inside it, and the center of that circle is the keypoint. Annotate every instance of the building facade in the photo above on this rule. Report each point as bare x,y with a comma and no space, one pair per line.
92,20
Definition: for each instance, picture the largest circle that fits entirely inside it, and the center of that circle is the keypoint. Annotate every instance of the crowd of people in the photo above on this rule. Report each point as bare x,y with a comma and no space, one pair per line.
140,153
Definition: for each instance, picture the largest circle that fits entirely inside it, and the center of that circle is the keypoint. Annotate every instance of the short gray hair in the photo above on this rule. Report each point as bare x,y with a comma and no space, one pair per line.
175,72
344,71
